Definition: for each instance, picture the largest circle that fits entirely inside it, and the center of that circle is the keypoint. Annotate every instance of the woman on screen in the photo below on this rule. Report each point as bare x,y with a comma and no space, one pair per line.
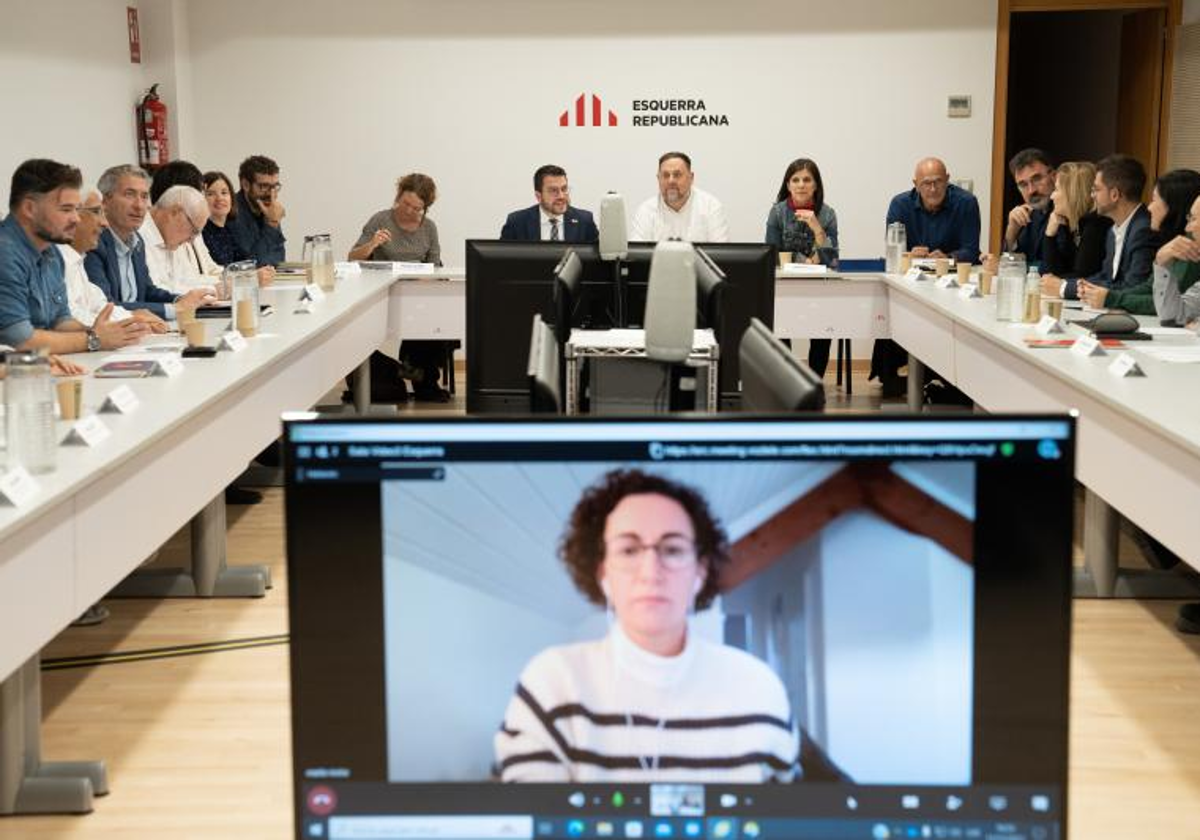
649,701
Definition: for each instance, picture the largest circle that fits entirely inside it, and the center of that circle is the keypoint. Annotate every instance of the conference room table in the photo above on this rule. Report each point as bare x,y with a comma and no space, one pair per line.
1139,437
109,506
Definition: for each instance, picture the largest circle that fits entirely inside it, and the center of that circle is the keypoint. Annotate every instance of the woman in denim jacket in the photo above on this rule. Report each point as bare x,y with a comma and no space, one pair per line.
802,223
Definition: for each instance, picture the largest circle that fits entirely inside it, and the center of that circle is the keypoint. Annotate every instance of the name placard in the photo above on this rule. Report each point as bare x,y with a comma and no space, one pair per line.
1049,325
313,292
168,366
1088,345
304,307
233,341
913,274
1125,365
90,431
969,291
947,281
120,400
17,487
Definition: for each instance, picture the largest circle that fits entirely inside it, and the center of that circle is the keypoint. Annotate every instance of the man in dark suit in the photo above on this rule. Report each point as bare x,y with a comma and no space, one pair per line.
118,263
553,218
1130,245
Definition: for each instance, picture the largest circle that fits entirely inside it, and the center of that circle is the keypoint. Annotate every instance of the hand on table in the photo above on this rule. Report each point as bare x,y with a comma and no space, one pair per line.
65,367
114,334
1092,295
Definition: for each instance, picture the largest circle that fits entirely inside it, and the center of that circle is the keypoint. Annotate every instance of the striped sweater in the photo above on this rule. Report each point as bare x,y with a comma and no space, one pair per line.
609,711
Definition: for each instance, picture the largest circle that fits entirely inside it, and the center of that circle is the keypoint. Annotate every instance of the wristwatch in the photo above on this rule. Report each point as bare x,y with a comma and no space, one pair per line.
93,341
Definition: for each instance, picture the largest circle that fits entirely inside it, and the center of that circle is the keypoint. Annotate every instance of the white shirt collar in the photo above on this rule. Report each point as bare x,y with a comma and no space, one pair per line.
71,257
1119,230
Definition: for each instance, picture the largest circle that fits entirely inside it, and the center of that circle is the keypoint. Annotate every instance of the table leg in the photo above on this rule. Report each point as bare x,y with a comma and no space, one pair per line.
29,785
209,576
1103,577
916,384
362,388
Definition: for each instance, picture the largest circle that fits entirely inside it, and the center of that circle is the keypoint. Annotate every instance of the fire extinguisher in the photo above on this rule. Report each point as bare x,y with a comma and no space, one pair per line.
152,130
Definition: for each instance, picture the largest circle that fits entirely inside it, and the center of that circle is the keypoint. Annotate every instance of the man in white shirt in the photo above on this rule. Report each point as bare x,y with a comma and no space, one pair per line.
680,210
170,228
84,297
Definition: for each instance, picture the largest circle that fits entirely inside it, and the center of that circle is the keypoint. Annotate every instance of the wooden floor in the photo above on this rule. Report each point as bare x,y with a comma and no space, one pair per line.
198,746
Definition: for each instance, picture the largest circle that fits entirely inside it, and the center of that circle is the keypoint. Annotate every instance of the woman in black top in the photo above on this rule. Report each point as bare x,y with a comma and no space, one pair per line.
1075,234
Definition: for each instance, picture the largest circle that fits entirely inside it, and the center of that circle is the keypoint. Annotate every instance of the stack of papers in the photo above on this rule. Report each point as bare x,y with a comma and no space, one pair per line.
805,269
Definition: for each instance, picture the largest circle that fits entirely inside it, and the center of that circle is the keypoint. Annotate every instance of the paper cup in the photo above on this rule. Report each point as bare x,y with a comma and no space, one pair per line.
785,257
985,283
905,262
1052,307
70,398
964,273
941,266
194,331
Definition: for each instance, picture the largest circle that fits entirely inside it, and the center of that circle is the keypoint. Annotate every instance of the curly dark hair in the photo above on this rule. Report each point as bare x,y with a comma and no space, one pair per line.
582,545
421,186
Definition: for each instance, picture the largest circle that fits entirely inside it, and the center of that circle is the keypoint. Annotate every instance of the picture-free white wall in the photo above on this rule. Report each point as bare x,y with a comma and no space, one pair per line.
69,87
347,96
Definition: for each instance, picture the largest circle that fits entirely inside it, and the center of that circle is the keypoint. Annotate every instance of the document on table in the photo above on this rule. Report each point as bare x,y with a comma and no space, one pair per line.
413,269
804,270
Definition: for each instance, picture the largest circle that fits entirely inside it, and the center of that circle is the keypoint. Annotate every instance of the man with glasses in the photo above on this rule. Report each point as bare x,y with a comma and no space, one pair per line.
34,313
172,225
1130,247
118,263
83,296
552,219
940,220
1026,229
256,225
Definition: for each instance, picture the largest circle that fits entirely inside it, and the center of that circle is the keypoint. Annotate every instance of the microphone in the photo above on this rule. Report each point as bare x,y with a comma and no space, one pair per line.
671,302
614,238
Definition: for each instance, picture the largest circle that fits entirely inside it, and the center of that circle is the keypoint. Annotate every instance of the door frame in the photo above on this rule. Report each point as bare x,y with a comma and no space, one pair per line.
1005,10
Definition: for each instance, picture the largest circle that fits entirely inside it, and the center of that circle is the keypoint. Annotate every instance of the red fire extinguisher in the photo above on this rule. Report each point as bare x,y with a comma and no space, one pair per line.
151,112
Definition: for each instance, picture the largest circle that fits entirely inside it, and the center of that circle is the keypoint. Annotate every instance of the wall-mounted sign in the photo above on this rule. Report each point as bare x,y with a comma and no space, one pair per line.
135,37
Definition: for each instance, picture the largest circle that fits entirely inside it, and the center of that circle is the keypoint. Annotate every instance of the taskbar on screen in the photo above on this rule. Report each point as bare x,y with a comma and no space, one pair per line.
344,810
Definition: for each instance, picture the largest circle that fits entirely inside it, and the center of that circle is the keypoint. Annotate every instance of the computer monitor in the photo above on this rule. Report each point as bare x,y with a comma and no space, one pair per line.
509,282
774,380
728,627
545,369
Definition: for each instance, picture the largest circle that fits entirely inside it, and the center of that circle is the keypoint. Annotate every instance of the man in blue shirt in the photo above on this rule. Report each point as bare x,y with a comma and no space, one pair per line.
940,220
34,311
256,225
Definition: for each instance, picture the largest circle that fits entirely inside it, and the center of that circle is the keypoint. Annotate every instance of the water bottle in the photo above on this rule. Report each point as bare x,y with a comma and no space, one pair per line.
1032,299
895,245
29,412
1010,287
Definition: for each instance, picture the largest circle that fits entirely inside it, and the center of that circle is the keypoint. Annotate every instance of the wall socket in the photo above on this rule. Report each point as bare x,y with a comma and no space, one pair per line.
958,106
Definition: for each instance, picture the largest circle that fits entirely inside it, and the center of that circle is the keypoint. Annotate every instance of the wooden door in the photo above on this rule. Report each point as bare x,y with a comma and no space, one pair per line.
1140,102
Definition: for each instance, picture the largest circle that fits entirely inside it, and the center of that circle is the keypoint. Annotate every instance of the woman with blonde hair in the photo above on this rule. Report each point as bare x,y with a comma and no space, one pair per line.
1075,233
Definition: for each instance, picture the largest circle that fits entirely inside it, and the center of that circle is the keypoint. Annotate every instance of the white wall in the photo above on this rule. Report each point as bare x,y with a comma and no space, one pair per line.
348,96
69,87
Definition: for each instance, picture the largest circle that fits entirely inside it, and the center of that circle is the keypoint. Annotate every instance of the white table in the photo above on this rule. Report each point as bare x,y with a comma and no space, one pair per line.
105,509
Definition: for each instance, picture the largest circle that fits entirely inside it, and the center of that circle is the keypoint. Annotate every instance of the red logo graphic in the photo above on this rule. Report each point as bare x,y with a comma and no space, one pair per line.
581,117
322,801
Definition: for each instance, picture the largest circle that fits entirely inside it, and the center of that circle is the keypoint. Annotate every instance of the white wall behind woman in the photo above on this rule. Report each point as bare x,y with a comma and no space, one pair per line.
347,96
69,87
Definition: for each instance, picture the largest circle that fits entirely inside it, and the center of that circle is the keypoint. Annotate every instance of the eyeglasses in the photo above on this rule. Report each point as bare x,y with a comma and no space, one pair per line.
1034,181
673,552
931,183
196,231
271,188
97,211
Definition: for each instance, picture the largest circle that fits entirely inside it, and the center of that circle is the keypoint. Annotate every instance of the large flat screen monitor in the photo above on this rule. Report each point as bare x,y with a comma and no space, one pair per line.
722,628
509,282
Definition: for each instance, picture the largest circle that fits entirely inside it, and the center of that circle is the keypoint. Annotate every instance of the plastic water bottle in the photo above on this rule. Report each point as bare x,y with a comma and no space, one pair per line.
895,245
29,412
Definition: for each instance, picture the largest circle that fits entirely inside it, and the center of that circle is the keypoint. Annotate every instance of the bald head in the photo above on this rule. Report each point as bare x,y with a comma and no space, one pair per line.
931,180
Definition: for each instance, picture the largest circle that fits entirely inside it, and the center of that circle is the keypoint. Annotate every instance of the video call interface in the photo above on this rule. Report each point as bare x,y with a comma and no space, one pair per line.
725,629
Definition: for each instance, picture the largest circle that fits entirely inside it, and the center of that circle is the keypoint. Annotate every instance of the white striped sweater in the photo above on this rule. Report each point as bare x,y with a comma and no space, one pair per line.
609,711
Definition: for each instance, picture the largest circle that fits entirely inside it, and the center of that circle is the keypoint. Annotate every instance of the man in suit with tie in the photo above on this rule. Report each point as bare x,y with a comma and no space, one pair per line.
1130,246
552,219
